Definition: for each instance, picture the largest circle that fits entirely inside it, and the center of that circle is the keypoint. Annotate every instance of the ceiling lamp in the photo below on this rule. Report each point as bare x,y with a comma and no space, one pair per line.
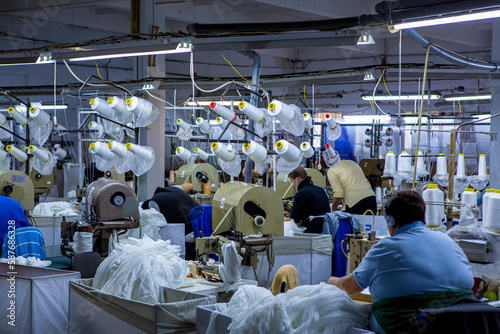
399,97
365,38
467,97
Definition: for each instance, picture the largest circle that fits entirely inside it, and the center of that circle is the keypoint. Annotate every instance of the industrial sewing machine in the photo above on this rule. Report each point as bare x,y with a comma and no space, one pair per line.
17,185
111,210
198,174
42,184
247,214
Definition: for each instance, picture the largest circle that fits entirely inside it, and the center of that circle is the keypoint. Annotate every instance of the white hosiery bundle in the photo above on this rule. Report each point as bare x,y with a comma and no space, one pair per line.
185,130
230,116
307,149
40,125
390,164
308,120
83,242
227,158
120,107
255,151
18,115
290,156
469,203
124,160
44,161
104,158
145,112
434,205
18,154
102,107
204,126
289,115
330,156
144,158
333,129
201,154
98,128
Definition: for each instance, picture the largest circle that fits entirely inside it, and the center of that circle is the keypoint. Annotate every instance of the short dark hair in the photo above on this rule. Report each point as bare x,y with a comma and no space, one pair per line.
299,172
406,207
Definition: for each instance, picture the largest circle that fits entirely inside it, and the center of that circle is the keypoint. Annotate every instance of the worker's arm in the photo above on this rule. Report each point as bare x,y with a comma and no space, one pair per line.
336,202
347,283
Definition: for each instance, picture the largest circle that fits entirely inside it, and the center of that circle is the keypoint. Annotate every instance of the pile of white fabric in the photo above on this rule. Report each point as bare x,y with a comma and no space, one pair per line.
151,222
28,261
311,309
55,209
137,269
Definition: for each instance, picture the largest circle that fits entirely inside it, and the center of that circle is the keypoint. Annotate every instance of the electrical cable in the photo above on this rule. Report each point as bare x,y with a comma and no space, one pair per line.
342,248
388,92
99,73
305,99
191,72
362,218
373,95
158,98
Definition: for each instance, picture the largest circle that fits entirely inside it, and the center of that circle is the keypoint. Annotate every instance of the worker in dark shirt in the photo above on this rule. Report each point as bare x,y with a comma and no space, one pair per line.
174,204
310,200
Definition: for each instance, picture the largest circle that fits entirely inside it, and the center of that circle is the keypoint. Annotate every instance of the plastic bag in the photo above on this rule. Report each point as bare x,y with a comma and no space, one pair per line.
230,271
83,242
151,222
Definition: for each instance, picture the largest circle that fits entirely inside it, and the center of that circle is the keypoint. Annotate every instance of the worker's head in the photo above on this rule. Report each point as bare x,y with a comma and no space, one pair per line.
298,175
404,208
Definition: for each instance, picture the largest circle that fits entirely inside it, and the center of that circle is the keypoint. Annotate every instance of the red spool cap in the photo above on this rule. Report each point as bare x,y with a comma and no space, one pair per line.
212,105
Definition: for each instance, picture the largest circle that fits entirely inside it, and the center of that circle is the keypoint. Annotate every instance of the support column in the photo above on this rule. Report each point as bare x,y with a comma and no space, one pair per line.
154,134
494,158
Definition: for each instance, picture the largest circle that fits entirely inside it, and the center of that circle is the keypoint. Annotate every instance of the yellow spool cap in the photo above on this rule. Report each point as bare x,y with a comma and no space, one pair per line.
390,152
304,144
92,145
461,154
199,120
469,189
22,148
110,99
92,101
9,148
196,150
497,191
31,148
128,102
490,190
91,124
178,149
279,145
272,106
32,109
441,154
432,186
482,155
246,146
10,110
179,121
241,105
219,120
404,151
110,144
128,146
214,146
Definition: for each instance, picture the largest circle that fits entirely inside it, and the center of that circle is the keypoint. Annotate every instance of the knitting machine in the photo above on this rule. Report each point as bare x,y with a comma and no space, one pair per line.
42,184
111,209
285,188
198,175
249,215
17,185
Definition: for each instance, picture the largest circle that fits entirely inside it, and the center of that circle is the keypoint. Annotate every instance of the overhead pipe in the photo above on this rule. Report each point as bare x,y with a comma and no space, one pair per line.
450,56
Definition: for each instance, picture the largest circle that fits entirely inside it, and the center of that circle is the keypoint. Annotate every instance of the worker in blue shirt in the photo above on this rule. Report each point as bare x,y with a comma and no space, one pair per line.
413,269
12,216
309,201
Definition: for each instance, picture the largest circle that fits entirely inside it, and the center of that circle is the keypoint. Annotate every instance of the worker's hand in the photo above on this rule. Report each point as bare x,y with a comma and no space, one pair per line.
333,280
286,216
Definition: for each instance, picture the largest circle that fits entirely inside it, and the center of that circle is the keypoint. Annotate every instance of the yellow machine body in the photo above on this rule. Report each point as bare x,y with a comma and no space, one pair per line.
286,190
17,185
187,174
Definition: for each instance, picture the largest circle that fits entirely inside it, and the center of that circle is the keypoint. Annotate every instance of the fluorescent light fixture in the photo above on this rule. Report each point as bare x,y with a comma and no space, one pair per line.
448,19
365,38
483,118
57,107
207,103
148,86
397,97
368,76
467,97
360,119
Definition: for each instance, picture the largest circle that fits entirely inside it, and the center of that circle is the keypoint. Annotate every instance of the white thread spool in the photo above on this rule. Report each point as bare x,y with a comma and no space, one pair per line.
308,120
331,151
43,156
404,162
100,149
221,151
390,163
102,107
140,151
224,112
481,169
40,116
204,125
140,106
281,111
461,166
420,161
183,153
59,127
330,122
20,118
287,151
486,199
117,148
434,213
307,149
491,222
255,151
252,111
441,168
221,122
201,154
96,126
469,196
183,125
3,120
378,195
16,153
59,151
120,106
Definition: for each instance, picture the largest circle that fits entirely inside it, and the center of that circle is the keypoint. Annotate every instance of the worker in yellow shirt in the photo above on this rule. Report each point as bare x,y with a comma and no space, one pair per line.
351,188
